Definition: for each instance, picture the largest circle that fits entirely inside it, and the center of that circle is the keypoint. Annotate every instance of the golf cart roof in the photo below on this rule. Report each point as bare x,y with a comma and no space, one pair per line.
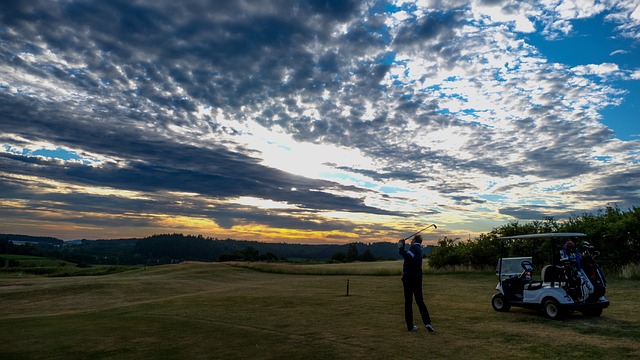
544,235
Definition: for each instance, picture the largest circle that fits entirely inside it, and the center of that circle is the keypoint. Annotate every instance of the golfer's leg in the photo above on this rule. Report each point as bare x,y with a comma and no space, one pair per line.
408,304
424,312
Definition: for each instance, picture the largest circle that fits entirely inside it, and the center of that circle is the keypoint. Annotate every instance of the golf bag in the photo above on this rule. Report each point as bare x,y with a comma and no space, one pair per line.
594,274
576,281
579,286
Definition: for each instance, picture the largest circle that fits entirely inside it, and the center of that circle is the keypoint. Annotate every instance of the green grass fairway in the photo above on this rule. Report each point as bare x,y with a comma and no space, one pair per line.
218,311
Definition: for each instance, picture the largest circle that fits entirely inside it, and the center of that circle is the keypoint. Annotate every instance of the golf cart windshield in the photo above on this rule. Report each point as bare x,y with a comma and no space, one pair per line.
511,267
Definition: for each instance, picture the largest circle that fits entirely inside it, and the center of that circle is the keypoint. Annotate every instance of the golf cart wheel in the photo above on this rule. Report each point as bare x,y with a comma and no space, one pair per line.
499,303
592,312
553,310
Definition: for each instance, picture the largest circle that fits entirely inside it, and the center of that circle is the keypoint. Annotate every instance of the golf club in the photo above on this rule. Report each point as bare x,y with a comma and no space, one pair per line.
416,233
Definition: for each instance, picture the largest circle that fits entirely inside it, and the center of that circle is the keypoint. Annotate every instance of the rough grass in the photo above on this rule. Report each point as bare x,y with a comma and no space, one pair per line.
377,268
631,271
217,311
41,266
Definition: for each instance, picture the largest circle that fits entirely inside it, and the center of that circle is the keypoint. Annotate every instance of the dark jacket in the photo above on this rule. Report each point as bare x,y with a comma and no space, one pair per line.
412,267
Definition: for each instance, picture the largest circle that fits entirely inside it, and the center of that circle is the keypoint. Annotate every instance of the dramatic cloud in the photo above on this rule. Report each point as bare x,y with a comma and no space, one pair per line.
306,120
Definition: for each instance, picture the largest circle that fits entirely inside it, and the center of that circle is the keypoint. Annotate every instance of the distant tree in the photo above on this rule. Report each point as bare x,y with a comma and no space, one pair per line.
367,256
352,253
5,246
26,249
269,257
339,256
230,257
250,253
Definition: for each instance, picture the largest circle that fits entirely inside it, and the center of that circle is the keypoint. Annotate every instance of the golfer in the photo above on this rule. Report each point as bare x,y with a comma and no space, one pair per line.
412,283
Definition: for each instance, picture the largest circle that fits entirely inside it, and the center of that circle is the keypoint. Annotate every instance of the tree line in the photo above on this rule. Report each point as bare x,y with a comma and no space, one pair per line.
172,248
613,232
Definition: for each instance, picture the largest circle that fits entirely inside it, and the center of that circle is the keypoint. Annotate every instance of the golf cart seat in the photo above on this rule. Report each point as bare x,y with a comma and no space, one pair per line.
551,274
527,277
533,285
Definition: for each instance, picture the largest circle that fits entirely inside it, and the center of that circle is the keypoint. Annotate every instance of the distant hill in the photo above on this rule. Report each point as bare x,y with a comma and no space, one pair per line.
167,248
31,239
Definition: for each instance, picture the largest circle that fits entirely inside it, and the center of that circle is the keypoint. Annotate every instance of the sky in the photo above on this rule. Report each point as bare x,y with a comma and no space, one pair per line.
314,121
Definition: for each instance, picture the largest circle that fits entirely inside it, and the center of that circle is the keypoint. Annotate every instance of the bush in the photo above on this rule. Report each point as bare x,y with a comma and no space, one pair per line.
449,252
631,271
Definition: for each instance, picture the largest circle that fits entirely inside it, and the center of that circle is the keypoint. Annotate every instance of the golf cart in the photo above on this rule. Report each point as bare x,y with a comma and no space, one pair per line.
573,282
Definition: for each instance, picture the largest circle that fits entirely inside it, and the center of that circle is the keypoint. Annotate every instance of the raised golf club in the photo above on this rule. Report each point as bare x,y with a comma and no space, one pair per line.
416,233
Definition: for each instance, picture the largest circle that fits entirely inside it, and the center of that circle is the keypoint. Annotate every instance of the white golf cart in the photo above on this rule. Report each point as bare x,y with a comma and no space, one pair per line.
573,282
